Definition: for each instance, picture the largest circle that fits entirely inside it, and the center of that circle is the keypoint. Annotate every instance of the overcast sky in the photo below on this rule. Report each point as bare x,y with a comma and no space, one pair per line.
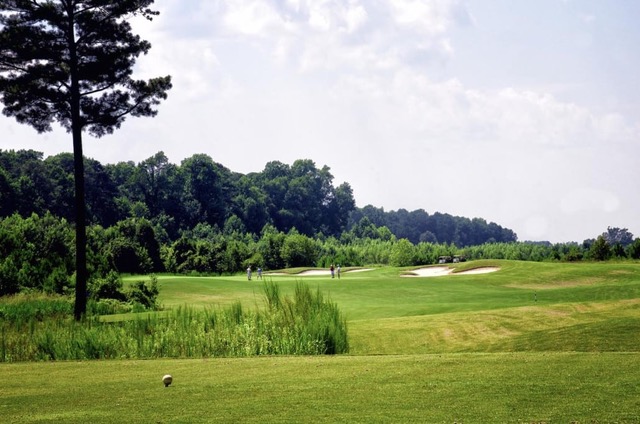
524,113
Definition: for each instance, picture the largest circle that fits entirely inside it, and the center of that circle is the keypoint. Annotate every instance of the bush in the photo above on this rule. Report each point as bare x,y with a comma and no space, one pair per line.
109,287
35,253
299,250
402,253
144,295
126,256
107,307
109,296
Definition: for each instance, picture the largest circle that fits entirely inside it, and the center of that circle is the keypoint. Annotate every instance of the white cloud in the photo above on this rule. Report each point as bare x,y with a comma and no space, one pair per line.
431,17
331,15
254,18
437,109
339,34
356,16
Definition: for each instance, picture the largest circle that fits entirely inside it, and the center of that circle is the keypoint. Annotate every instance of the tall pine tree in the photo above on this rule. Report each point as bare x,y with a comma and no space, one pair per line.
71,61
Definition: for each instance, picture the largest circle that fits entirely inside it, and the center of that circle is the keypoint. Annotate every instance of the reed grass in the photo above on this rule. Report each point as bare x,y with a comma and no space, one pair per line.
306,324
34,306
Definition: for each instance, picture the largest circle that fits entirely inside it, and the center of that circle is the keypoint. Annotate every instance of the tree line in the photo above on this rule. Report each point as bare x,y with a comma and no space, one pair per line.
176,198
419,226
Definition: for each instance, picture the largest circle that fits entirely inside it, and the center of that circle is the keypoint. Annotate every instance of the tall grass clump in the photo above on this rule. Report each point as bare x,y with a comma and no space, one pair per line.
306,324
26,307
311,320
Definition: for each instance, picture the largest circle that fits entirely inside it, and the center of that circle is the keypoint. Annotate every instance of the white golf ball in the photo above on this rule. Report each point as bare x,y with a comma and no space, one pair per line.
167,379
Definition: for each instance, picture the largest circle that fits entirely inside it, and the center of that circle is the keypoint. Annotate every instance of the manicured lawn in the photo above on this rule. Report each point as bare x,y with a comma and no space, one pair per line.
533,342
470,388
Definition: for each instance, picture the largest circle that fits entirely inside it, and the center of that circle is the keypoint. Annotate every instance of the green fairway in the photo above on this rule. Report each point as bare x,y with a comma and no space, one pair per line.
532,342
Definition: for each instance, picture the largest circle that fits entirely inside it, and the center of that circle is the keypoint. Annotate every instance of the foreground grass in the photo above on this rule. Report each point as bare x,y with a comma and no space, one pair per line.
470,388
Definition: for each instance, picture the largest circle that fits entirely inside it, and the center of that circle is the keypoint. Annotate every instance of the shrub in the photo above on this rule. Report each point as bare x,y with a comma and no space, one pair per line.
107,307
403,253
143,294
299,250
109,287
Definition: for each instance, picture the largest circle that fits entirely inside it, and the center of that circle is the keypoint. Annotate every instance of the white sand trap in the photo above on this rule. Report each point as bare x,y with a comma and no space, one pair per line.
433,271
316,272
438,271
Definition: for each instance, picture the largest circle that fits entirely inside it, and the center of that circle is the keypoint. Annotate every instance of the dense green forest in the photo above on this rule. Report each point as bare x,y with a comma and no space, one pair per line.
176,198
199,217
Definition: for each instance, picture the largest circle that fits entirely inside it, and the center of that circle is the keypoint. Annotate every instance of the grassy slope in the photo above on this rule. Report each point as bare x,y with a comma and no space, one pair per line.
564,342
524,307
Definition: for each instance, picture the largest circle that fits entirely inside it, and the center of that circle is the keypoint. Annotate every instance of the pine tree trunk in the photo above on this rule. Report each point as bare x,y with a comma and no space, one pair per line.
81,227
78,171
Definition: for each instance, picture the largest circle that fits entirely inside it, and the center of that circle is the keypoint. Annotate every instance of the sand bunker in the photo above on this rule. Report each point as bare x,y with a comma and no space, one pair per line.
430,272
437,271
316,272
319,272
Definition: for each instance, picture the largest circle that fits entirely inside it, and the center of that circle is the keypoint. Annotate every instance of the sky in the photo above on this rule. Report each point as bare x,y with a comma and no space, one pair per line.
523,113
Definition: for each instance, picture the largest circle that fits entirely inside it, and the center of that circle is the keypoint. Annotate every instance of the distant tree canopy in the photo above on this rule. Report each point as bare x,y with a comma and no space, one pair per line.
418,226
618,236
180,198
